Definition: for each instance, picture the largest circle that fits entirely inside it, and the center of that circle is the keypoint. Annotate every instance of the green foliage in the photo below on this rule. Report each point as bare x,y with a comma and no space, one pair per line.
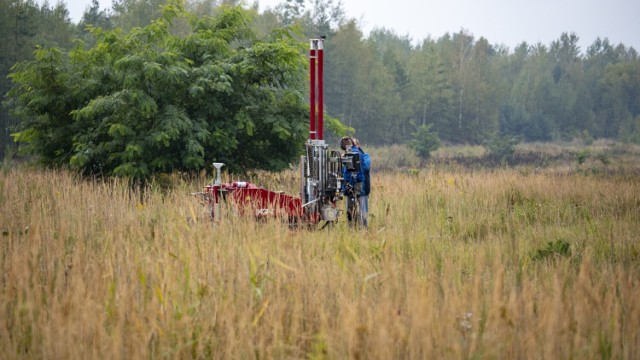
129,14
586,137
465,86
501,148
424,141
24,25
336,127
582,156
147,101
558,248
604,159
319,348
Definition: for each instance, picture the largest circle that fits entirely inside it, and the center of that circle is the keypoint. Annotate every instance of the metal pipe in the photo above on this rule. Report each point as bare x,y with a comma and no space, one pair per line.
217,183
312,90
320,80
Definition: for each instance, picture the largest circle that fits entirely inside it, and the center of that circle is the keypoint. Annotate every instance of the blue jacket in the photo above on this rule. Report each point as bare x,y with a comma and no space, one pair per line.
365,166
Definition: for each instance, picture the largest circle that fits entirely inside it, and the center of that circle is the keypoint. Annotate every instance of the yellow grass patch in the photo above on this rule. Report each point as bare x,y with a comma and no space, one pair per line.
456,264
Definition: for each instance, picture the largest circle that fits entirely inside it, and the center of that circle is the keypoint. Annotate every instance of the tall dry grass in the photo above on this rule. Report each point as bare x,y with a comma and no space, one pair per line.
456,264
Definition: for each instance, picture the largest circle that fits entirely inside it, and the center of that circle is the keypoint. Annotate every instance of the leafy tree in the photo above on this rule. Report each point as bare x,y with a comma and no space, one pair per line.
521,114
533,104
325,16
621,98
394,55
24,24
598,56
128,14
570,101
381,85
424,141
473,74
500,147
484,89
376,114
459,52
95,17
516,121
147,101
54,26
316,17
291,10
353,94
431,91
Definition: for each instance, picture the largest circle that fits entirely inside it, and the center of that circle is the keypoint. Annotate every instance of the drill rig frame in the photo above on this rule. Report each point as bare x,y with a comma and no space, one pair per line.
320,171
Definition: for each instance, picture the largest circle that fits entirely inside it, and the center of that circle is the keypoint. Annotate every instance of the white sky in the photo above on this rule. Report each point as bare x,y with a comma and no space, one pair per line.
507,22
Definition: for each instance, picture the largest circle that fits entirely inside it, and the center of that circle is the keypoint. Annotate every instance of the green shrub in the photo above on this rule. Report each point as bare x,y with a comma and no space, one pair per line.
424,141
556,248
582,156
502,148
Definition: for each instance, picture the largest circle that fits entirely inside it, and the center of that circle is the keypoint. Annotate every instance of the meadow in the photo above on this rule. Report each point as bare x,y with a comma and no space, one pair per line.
530,262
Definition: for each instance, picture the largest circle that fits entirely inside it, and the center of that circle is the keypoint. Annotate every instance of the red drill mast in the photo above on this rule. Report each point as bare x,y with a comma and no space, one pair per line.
316,91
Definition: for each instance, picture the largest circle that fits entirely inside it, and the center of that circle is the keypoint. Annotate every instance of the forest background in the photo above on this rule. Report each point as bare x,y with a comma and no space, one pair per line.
390,87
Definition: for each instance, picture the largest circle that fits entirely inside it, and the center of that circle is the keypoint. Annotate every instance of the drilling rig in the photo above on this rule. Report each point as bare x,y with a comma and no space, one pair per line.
320,171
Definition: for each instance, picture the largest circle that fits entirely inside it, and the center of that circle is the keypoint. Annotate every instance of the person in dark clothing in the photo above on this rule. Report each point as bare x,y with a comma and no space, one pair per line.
357,184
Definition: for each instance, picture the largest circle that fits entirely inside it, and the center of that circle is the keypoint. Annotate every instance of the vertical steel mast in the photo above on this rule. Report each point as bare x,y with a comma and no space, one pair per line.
319,170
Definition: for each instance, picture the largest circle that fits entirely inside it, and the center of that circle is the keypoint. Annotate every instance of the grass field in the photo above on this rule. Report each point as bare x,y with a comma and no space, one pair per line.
503,263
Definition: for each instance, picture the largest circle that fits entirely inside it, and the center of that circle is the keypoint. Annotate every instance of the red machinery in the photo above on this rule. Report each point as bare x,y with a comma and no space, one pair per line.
320,171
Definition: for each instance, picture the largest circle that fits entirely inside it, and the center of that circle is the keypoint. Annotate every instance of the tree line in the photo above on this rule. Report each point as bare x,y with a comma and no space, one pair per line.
389,88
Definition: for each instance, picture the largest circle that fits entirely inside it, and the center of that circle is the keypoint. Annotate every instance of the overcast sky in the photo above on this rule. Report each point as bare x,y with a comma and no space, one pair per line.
507,22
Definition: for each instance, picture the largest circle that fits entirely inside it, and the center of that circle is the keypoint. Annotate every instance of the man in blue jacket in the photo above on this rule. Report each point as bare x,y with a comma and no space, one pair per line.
357,184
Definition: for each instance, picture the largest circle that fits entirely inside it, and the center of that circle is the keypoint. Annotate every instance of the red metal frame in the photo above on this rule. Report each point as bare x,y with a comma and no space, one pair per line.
261,202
